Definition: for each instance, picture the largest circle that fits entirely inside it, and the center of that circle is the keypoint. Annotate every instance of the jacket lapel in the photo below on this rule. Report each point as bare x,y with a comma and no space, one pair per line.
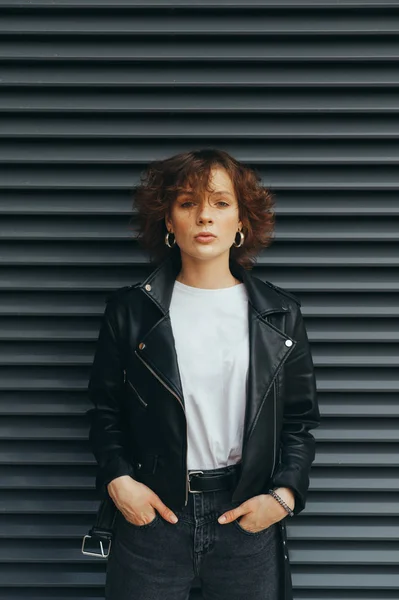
159,354
267,344
266,355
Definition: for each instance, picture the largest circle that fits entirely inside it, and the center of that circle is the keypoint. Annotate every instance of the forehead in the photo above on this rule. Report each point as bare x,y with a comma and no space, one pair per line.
219,182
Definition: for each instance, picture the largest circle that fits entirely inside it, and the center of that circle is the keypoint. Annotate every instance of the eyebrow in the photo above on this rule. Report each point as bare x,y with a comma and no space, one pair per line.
223,192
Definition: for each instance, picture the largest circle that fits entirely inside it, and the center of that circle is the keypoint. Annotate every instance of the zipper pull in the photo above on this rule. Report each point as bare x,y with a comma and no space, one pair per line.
124,375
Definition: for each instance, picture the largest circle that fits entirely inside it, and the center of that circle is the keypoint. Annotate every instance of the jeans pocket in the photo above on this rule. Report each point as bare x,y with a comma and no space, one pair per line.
251,533
145,526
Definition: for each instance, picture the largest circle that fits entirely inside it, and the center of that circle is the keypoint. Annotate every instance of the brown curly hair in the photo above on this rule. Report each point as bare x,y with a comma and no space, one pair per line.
162,180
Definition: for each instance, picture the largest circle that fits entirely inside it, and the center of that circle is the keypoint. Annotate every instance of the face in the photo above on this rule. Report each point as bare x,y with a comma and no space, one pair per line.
216,213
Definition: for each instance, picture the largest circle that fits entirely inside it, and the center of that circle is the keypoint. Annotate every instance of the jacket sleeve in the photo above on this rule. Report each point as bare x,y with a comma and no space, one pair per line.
301,413
105,390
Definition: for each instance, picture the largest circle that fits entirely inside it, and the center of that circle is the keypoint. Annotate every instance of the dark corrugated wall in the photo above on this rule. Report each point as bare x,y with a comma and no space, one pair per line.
93,90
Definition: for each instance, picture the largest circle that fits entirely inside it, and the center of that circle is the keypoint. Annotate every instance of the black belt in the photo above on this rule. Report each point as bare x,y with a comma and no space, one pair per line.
198,481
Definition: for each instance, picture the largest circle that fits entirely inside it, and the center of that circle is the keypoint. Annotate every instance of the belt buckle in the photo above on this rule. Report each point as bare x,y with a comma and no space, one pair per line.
100,554
189,488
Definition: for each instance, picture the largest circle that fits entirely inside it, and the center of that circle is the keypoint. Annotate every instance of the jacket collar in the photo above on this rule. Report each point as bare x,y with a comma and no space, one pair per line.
261,296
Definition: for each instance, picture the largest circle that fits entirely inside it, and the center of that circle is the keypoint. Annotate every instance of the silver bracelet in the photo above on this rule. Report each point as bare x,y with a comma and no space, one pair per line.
281,501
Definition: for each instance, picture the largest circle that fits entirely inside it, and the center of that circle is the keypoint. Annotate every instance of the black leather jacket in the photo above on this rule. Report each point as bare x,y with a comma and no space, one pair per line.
138,424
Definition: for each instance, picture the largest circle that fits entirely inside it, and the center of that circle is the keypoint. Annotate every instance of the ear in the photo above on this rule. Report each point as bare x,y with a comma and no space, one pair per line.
168,222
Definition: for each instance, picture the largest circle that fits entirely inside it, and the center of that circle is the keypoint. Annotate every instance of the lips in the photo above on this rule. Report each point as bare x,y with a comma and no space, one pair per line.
205,235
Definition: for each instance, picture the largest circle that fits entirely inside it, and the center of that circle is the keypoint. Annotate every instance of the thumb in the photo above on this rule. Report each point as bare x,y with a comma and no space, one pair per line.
164,511
233,514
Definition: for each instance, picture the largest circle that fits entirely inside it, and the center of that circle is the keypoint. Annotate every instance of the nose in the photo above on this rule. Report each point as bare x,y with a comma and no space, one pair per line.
204,213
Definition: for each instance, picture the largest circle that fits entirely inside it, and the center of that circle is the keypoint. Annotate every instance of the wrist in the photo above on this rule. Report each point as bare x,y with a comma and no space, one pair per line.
117,482
279,495
287,495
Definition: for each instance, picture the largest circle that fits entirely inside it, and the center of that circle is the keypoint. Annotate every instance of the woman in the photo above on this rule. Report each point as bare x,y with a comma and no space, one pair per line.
204,394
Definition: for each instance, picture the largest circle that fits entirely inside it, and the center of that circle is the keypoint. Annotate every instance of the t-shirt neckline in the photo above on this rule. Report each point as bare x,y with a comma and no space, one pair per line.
196,290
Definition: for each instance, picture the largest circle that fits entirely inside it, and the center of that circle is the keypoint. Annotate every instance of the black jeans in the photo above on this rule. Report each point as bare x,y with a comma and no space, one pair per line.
160,560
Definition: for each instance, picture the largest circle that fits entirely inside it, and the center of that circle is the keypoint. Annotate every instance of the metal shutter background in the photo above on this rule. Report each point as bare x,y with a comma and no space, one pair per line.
93,90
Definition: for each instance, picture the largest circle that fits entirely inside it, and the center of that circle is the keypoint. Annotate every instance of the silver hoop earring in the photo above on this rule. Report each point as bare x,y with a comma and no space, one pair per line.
167,241
242,238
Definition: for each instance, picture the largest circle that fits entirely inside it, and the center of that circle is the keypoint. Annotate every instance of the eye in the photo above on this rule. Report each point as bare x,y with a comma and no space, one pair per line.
190,202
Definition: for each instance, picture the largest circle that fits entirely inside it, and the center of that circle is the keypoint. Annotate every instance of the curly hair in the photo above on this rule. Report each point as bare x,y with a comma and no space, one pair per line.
162,181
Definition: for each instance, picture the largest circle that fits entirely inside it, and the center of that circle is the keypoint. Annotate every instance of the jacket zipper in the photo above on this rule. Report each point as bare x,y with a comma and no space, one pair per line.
275,426
181,404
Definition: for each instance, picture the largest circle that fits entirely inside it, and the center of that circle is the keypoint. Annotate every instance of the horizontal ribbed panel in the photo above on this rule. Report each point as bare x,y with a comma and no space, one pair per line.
308,93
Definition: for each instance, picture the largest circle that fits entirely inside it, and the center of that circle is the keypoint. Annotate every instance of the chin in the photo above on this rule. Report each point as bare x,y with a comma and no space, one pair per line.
205,253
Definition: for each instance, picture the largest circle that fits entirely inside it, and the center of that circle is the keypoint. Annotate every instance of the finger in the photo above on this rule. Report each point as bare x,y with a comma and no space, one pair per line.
165,512
233,514
138,518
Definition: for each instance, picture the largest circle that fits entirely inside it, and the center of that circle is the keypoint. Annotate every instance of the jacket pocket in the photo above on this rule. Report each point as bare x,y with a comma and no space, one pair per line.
132,389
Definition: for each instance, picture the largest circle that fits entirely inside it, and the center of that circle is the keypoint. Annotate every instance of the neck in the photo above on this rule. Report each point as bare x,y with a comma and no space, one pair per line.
206,274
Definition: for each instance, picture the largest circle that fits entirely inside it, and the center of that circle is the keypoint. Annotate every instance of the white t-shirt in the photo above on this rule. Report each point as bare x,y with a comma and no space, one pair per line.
210,327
